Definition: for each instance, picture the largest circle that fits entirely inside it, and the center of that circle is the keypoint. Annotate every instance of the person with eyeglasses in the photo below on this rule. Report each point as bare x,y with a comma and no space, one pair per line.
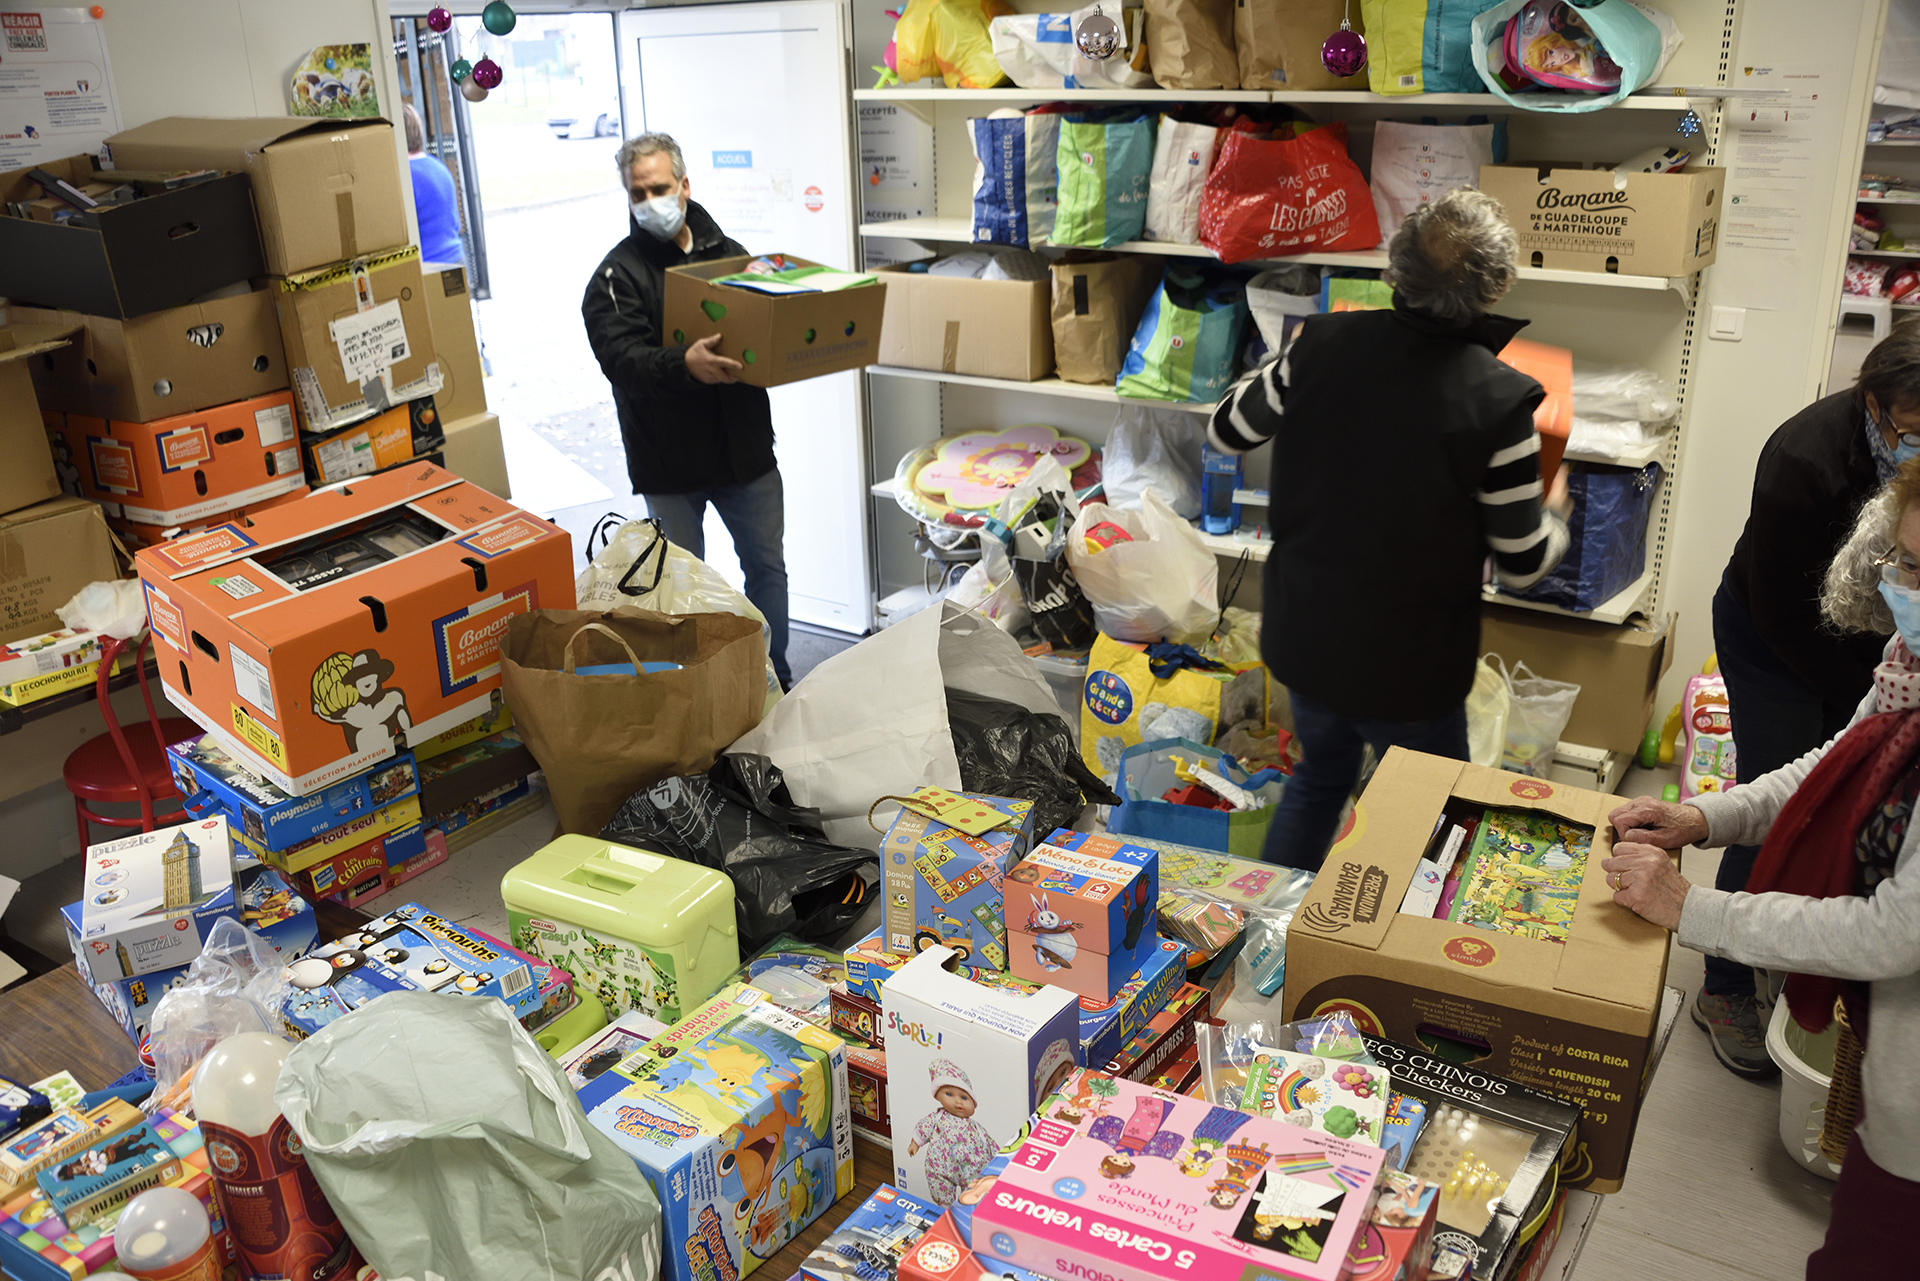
1792,681
1834,898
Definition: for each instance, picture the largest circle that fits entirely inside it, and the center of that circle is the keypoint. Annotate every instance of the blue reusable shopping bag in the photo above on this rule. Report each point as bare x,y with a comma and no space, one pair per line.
1105,161
1187,345
1608,526
1147,773
1014,180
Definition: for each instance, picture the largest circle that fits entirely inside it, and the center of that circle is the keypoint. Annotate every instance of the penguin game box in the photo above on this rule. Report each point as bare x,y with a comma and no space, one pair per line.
1083,918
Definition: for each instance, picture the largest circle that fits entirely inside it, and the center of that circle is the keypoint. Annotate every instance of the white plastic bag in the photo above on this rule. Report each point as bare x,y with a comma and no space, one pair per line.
1414,165
638,567
1623,392
114,607
235,985
1537,713
988,589
1487,704
1037,51
872,720
1153,448
1162,585
1182,158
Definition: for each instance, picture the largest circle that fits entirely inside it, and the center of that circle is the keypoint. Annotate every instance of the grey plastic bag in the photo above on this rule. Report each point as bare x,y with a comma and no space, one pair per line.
450,1144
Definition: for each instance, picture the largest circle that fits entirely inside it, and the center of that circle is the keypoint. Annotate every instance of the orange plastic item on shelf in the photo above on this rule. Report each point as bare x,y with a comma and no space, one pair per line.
1552,368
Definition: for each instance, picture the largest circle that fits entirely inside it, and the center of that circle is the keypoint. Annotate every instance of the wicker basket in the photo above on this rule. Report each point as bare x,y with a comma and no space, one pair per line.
1843,1097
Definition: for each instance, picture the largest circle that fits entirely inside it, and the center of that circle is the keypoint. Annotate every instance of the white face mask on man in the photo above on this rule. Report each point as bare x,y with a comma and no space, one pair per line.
661,216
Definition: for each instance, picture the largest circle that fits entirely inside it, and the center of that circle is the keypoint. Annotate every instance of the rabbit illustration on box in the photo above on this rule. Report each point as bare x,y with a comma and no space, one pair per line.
1054,947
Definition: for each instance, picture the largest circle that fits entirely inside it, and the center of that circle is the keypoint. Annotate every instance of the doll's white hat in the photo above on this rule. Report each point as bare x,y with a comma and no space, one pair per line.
946,1072
1052,1059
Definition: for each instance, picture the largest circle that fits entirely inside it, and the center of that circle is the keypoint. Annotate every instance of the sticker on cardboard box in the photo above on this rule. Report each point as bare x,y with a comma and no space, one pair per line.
197,549
183,447
350,455
238,587
370,342
165,618
274,423
113,465
286,462
251,680
258,736
508,535
468,640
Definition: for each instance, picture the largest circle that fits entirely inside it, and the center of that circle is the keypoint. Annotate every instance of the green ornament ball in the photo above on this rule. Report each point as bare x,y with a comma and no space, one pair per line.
498,17
460,70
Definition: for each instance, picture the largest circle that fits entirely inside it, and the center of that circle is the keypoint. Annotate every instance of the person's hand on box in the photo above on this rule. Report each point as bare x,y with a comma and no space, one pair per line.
1559,500
707,365
1646,821
1645,881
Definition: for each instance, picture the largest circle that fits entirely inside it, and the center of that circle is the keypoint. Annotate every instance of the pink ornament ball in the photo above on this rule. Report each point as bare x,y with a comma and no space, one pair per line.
487,74
1345,52
439,20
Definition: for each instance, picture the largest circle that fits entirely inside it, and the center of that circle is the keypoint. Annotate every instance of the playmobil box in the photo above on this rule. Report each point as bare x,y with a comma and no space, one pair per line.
1591,995
639,930
351,834
780,338
869,1242
966,1064
408,949
1083,919
270,819
1151,1186
149,900
171,471
870,965
332,632
737,1116
943,885
1106,1026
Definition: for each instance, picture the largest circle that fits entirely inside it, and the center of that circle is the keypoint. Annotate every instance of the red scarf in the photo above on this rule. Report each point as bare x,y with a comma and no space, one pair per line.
1810,847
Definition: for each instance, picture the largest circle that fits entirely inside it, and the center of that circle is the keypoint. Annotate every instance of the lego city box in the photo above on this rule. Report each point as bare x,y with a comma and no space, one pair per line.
780,338
149,900
1573,1013
966,1064
943,884
1083,918
268,817
185,468
737,1116
332,633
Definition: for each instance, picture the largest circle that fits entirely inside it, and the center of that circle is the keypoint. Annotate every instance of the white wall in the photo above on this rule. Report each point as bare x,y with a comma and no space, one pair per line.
235,57
1741,391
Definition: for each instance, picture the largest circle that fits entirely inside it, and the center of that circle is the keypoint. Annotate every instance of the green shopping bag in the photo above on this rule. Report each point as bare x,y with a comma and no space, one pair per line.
1104,162
1188,343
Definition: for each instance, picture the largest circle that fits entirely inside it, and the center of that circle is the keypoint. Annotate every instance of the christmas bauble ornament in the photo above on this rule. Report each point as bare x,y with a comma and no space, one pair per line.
460,70
1345,52
1098,36
498,17
473,91
487,73
439,21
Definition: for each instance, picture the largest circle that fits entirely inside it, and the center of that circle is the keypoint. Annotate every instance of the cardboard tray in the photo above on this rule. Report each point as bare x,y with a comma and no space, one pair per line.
781,338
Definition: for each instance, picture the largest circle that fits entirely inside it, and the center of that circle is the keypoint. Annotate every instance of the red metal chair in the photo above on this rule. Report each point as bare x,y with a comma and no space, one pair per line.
118,767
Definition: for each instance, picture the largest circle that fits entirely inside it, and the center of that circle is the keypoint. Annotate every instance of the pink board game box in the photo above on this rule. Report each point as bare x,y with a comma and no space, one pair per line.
1156,1186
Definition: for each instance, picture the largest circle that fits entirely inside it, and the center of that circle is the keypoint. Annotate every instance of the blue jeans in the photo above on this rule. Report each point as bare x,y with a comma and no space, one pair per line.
755,514
1776,720
1308,815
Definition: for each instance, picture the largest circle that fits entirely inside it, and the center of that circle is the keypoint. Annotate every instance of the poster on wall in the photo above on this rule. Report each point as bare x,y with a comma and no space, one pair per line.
56,87
335,80
889,148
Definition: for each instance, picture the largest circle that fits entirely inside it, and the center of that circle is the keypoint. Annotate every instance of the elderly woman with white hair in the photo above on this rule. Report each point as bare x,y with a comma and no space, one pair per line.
1404,453
1834,897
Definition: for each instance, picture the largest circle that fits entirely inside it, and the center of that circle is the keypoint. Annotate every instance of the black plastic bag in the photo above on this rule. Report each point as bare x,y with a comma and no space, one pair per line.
1006,750
739,818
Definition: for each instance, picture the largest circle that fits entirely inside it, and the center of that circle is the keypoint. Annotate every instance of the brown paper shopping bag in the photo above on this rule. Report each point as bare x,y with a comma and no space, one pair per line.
600,738
1097,301
1278,43
1192,43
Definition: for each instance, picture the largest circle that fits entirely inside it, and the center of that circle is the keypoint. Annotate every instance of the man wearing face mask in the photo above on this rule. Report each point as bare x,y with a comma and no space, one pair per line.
1793,682
694,433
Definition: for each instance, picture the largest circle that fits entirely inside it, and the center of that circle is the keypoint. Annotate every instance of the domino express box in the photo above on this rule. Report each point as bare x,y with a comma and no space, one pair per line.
172,471
331,633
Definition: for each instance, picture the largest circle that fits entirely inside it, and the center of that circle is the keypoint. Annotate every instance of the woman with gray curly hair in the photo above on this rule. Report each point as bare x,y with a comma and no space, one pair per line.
1403,454
1834,897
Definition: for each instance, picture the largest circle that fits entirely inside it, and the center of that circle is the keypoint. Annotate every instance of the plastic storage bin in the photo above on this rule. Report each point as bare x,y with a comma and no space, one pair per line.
1806,1071
639,930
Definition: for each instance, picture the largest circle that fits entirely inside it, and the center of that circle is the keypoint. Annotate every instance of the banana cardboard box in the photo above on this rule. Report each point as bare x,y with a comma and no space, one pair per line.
738,1118
332,633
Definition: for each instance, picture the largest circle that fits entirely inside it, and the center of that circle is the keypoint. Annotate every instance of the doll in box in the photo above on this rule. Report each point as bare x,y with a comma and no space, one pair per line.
957,1145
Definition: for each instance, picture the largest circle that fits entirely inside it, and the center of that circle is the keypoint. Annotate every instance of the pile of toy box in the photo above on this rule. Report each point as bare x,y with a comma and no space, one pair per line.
294,340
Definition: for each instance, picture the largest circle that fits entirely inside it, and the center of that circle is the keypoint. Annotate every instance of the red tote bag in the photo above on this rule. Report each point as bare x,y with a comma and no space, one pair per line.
1267,198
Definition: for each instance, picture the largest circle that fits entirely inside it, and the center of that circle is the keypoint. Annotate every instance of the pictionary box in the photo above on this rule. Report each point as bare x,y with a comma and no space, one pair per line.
268,817
943,884
737,1116
1083,919
1107,1026
328,634
1153,1186
148,901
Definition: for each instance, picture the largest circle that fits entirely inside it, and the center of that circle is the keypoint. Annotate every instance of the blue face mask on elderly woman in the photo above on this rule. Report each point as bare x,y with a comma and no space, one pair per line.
1905,604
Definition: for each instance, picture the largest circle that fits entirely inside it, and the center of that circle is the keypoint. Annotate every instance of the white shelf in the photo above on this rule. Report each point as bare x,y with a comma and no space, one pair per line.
1885,253
1638,457
1629,602
960,231
1896,142
888,489
1250,497
1653,98
1048,386
1886,200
